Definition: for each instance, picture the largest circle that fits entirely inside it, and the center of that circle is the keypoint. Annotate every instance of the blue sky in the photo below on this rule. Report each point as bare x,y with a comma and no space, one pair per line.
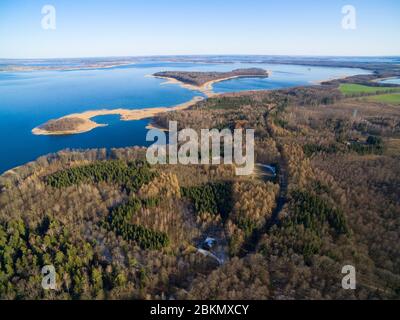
90,28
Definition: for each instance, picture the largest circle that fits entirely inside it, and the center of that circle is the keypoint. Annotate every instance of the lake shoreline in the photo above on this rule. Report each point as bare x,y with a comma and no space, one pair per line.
125,115
206,88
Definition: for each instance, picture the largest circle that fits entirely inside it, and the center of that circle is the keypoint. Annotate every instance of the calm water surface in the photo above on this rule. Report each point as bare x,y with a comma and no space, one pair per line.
28,99
391,81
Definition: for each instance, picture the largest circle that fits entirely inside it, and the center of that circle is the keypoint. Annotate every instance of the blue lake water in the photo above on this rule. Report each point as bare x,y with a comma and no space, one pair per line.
28,99
391,81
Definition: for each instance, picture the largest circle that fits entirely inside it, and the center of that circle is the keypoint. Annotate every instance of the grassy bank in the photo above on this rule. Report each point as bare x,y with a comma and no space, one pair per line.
350,89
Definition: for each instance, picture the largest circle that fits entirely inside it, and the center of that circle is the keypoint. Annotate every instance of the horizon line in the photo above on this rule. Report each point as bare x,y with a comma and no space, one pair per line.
210,55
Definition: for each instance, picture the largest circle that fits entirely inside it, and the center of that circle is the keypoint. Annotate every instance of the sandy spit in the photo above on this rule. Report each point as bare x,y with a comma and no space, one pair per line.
125,114
206,88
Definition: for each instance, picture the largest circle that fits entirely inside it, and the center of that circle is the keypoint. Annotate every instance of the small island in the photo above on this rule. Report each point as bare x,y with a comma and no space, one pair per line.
66,125
203,81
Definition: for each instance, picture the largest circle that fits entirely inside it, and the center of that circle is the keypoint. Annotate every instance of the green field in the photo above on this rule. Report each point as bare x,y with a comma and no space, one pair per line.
390,98
350,89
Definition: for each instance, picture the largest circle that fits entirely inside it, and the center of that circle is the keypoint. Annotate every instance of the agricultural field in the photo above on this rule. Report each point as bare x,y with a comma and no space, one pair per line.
351,89
389,98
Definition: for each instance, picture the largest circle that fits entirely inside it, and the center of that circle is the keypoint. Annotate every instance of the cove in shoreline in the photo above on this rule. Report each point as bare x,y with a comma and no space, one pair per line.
206,88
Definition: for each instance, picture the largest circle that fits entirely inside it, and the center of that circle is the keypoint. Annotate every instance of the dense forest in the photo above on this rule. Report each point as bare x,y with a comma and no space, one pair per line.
115,227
